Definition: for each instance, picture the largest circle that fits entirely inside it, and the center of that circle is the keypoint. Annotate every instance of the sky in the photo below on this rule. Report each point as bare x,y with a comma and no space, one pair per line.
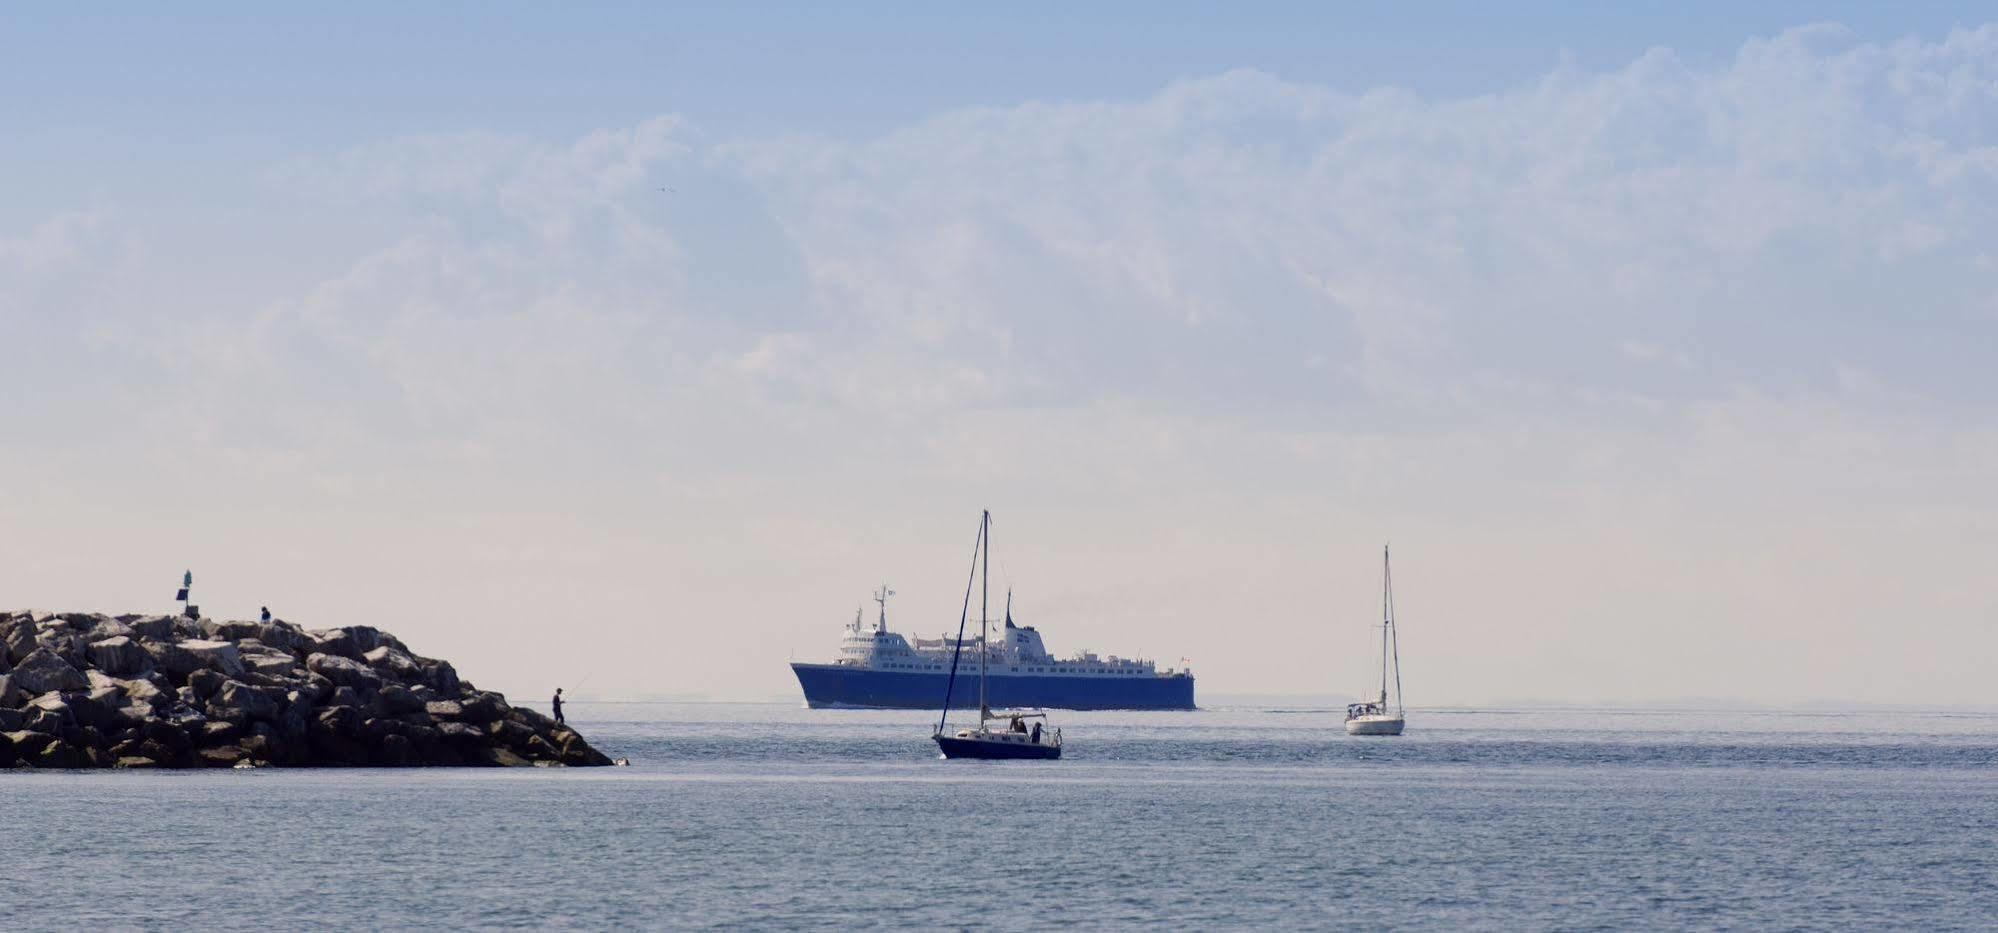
628,347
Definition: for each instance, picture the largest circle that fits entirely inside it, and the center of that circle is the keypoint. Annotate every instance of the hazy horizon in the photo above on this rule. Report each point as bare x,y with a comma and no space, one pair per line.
633,350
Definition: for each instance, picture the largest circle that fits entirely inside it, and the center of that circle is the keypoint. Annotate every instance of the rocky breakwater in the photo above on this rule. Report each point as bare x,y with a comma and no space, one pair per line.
84,690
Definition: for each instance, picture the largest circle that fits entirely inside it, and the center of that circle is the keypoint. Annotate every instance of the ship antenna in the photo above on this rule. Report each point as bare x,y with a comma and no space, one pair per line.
881,596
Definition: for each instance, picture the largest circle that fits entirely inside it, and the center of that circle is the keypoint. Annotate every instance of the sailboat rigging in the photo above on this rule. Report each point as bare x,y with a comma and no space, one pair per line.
1016,740
1372,717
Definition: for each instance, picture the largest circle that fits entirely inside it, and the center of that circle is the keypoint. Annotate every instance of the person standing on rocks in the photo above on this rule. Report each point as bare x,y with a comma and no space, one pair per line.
266,616
557,703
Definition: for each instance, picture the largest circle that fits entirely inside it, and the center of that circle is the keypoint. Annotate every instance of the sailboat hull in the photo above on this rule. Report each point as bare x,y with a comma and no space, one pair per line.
992,748
1374,725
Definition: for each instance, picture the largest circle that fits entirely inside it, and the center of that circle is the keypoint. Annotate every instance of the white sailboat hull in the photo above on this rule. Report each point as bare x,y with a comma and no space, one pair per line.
1374,725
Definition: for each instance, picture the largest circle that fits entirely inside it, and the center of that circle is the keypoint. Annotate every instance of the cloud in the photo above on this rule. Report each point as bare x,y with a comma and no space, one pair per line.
1648,337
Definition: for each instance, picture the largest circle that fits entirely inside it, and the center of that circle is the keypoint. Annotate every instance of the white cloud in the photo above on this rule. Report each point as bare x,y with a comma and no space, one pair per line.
1637,363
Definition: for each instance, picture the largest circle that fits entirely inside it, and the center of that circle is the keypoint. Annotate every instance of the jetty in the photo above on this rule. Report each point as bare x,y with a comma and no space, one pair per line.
88,690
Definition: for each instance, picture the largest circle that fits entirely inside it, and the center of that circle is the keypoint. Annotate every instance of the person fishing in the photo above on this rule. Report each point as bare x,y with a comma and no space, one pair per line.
557,703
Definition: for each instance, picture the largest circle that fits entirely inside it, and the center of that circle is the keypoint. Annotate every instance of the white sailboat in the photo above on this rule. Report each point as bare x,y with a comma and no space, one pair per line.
1373,717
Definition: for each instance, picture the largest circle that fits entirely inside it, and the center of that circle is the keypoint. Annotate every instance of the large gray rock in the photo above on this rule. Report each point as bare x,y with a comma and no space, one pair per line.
395,700
219,656
230,631
351,641
344,672
120,656
10,695
109,628
238,702
394,664
281,635
43,670
157,628
147,692
19,635
174,661
271,664
481,708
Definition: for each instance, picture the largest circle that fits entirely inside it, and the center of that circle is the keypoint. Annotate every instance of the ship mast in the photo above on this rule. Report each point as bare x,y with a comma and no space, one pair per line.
881,596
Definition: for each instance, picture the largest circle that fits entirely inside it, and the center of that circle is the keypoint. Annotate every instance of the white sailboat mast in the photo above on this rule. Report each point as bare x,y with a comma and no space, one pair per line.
1387,616
984,588
1390,636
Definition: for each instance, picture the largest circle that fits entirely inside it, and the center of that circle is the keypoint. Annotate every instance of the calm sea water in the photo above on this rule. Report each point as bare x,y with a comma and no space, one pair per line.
774,817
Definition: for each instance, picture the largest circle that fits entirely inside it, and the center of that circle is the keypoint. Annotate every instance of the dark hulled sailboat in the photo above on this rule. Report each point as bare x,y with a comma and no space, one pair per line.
1015,739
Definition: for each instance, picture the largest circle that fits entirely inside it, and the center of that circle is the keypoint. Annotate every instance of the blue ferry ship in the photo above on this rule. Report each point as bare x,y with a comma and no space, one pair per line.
879,669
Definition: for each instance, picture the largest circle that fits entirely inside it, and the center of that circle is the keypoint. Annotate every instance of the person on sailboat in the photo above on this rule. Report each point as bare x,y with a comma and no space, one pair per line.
1037,734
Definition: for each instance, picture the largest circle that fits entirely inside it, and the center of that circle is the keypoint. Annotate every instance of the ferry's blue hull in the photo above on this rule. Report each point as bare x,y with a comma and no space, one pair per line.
845,685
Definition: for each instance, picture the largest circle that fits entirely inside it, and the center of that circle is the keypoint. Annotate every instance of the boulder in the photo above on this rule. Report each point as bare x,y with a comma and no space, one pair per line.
109,628
43,670
58,754
134,761
221,756
538,749
12,719
120,656
214,734
510,733
444,709
165,735
272,664
220,656
344,721
352,642
157,628
441,676
205,683
92,709
482,708
19,636
533,719
47,720
231,630
499,757
237,702
173,660
147,692
11,696
344,672
395,700
282,636
578,753
460,734
394,664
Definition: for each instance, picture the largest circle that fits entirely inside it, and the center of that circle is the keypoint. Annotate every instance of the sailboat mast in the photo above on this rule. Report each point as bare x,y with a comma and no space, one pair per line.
1394,634
984,590
1386,614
